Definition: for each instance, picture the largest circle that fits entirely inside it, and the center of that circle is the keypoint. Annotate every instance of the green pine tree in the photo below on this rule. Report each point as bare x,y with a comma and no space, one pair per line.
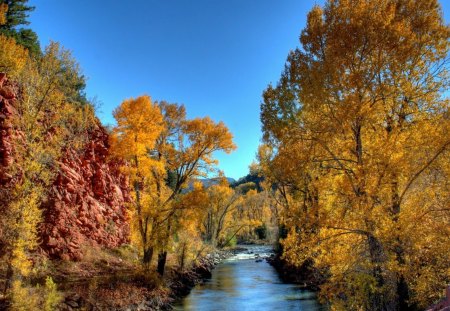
15,17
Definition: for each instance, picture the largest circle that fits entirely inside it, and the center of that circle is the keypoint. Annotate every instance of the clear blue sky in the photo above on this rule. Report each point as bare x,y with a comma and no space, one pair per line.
214,56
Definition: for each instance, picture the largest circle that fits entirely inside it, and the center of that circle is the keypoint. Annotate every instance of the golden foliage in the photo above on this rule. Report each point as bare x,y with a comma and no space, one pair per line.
139,123
218,223
356,142
163,151
220,213
3,10
23,298
13,56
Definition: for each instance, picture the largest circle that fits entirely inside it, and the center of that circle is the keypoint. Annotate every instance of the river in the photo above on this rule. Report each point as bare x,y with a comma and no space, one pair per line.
247,282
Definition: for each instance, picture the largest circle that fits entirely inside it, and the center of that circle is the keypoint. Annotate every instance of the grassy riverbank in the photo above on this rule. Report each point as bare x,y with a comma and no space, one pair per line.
116,280
112,282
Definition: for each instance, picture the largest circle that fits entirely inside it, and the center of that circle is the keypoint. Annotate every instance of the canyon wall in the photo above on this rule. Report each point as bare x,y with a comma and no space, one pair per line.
87,202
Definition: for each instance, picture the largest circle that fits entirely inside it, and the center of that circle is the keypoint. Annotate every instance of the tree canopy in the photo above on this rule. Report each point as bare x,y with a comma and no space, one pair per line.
356,143
15,15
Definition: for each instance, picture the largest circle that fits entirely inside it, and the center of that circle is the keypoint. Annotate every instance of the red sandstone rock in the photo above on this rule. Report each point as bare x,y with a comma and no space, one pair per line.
84,185
7,92
6,132
87,203
2,79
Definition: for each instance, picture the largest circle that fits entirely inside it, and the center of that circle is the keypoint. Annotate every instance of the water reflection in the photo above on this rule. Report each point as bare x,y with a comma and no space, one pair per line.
244,284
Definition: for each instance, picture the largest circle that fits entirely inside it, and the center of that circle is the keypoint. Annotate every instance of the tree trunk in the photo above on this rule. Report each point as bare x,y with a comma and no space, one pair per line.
402,286
183,256
162,257
403,294
9,275
377,299
148,256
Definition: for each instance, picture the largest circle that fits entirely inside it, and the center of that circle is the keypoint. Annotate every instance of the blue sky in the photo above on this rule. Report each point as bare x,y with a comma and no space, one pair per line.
215,57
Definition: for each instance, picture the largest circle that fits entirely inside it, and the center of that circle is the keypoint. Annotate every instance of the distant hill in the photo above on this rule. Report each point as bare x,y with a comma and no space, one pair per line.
256,179
208,182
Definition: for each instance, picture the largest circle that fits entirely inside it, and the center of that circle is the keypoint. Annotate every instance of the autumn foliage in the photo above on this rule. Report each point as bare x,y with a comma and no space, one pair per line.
164,151
356,135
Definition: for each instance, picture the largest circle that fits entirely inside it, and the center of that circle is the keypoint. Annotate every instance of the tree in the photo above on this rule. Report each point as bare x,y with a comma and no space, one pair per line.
254,177
164,151
217,221
356,125
139,123
189,245
17,13
253,213
188,152
13,56
223,213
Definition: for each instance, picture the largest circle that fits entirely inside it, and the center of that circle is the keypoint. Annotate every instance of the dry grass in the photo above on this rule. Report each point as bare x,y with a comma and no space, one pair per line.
106,279
112,280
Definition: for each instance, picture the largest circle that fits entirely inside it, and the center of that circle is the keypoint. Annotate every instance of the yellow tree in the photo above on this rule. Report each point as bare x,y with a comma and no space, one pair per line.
253,213
217,224
139,124
189,242
361,103
164,151
187,149
221,212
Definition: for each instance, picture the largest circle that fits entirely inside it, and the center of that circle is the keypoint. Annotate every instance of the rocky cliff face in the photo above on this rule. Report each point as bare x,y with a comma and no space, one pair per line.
7,98
87,203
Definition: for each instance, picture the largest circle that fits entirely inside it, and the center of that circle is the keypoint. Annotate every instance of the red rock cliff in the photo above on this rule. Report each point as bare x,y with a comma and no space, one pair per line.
87,203
7,98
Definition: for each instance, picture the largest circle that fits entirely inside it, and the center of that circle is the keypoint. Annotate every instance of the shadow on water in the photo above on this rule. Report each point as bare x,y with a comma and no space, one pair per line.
241,283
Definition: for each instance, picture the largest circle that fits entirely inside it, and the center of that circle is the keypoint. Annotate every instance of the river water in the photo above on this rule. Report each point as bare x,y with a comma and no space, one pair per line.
246,282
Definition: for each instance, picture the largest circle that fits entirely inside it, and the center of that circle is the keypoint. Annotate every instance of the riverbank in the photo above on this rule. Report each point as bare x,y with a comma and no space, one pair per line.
182,282
307,276
114,284
115,280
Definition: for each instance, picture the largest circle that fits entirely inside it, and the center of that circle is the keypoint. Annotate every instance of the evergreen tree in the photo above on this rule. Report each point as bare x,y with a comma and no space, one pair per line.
16,15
